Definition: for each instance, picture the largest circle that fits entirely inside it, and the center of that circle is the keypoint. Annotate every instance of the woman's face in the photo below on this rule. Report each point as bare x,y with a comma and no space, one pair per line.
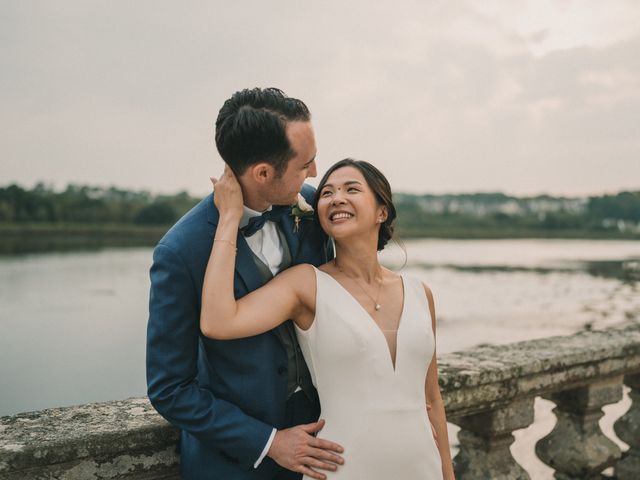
347,206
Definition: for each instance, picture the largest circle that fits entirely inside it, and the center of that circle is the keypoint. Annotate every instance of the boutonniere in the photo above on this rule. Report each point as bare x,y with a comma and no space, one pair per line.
299,210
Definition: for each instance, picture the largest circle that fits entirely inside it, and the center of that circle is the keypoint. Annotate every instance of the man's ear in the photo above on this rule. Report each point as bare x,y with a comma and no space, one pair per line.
262,172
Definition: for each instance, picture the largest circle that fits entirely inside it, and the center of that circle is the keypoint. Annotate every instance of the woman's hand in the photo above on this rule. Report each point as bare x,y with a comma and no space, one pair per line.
228,195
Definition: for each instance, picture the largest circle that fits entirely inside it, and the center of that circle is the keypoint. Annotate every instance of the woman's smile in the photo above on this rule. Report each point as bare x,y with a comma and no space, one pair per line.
340,216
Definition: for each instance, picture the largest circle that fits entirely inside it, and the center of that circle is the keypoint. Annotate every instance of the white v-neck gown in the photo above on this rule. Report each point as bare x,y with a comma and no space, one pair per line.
377,413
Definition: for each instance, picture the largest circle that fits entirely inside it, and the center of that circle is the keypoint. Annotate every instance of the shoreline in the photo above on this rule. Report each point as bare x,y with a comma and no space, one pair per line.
29,238
155,232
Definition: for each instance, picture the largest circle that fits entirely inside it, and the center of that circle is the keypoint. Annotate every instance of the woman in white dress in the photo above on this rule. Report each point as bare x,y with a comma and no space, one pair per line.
367,333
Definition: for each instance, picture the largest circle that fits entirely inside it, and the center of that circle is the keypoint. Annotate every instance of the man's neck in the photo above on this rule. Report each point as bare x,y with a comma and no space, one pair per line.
254,201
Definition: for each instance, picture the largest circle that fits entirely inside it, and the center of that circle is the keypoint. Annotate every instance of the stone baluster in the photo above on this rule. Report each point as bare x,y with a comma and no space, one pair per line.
627,428
485,439
576,448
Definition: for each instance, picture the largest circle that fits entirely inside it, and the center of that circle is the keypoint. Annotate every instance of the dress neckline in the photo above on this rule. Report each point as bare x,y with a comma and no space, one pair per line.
393,361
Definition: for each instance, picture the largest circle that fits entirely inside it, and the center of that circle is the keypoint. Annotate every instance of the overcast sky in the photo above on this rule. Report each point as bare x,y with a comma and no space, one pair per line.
444,96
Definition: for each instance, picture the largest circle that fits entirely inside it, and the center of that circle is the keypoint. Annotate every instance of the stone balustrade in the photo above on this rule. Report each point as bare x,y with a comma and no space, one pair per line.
488,391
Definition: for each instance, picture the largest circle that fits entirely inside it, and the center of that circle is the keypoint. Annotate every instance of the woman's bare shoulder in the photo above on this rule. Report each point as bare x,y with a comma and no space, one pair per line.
301,278
303,272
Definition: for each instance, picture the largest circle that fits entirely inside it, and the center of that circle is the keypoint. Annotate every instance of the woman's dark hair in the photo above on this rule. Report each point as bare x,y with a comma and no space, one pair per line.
378,183
251,128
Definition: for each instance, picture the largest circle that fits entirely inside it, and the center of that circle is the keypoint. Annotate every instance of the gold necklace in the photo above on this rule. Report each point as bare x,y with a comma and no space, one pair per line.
377,306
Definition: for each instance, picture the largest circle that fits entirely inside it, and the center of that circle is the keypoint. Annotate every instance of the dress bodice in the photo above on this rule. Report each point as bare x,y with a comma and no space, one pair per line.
377,412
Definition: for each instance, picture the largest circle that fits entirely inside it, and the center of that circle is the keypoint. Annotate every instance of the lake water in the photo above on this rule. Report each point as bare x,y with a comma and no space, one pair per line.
73,324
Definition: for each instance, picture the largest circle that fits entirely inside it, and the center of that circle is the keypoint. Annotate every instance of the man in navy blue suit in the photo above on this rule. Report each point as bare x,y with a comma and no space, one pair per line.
247,408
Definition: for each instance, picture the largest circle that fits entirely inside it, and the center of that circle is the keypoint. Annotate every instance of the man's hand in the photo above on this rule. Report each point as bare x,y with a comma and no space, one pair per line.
296,449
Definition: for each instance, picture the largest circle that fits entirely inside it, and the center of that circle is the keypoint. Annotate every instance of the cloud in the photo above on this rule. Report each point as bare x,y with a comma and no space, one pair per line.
443,96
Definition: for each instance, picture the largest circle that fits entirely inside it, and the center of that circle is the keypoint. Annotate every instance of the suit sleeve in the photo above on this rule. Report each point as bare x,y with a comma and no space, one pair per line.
172,354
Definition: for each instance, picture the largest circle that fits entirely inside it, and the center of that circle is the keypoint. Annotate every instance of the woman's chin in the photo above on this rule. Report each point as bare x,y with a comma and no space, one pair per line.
339,231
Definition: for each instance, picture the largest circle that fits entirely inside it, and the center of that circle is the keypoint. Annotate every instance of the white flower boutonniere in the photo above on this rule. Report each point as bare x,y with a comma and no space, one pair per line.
299,210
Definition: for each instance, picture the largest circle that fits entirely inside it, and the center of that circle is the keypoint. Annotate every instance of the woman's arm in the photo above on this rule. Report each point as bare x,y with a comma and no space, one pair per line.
221,316
435,409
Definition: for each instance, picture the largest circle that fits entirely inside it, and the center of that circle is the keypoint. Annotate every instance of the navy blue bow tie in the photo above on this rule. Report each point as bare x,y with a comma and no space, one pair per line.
256,223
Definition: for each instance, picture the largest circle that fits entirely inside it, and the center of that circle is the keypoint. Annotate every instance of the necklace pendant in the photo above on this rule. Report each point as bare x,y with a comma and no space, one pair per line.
378,306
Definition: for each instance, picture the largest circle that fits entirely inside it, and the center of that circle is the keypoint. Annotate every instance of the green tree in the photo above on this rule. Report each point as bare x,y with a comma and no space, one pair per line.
158,213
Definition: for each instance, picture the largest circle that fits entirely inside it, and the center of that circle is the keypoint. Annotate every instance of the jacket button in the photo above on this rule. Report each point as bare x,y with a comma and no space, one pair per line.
282,370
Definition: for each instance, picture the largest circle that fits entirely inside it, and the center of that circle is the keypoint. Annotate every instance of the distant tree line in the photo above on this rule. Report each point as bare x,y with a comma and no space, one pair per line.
623,206
418,215
511,216
90,205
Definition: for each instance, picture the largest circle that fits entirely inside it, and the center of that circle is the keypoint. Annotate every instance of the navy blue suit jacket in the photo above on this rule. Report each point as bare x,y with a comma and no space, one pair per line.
225,396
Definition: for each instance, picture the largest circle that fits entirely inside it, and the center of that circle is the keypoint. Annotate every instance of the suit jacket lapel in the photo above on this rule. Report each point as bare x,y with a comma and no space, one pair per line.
287,224
245,266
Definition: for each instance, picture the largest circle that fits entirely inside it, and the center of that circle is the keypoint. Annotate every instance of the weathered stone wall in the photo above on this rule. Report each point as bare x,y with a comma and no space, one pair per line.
124,439
128,440
480,379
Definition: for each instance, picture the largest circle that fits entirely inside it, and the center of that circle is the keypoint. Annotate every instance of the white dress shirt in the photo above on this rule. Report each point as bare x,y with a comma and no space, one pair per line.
265,243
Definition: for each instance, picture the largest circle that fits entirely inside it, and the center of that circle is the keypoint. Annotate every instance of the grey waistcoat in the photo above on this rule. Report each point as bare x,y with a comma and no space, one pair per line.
297,370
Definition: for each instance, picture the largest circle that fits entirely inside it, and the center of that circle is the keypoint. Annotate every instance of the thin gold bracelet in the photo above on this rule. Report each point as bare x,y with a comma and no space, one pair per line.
230,242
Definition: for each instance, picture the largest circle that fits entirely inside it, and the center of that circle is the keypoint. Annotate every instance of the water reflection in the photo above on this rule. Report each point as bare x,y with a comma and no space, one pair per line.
22,246
73,323
73,327
624,270
627,271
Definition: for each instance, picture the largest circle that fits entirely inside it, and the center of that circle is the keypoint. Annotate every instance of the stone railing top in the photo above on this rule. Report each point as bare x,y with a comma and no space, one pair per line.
480,378
472,381
60,435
